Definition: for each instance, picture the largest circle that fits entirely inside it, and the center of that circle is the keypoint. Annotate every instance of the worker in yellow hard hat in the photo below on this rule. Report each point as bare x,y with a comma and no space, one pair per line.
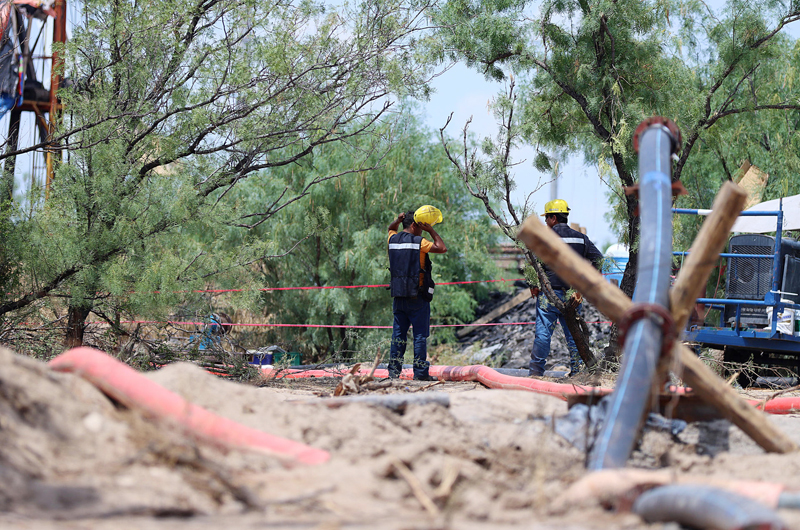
556,206
412,287
556,214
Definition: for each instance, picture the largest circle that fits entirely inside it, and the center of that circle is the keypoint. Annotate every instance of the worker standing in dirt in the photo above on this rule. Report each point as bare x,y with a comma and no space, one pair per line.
411,289
556,213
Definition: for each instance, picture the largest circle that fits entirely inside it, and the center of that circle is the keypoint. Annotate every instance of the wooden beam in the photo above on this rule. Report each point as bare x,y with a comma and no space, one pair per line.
573,269
496,313
693,275
687,407
714,390
704,253
613,303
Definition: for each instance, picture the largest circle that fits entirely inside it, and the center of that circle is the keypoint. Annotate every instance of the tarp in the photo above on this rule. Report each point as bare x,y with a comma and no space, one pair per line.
765,224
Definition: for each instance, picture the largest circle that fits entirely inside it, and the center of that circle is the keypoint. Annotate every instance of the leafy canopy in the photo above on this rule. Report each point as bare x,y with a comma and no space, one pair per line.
340,235
170,108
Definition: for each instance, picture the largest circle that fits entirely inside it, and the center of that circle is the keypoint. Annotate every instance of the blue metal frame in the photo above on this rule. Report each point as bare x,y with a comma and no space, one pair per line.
767,340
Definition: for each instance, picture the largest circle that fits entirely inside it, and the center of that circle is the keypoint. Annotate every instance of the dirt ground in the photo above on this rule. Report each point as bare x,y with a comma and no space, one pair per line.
72,459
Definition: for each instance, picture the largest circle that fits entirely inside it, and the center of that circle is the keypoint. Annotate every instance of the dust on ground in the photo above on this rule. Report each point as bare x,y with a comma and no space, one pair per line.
71,458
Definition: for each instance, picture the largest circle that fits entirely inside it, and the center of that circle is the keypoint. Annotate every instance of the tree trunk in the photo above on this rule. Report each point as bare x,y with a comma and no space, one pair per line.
76,324
577,328
7,185
612,351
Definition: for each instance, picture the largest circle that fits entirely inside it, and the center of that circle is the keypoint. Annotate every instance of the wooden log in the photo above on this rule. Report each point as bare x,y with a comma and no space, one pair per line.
496,313
693,275
702,259
714,390
613,303
688,407
572,268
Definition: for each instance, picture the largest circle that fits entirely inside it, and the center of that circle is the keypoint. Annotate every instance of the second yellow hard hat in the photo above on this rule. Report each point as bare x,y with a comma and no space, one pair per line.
555,206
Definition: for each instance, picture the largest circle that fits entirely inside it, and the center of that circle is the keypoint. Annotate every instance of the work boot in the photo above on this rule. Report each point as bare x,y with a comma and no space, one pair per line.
426,377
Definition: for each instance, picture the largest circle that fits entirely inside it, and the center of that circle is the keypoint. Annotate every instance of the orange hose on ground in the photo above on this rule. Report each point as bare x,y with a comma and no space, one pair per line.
787,405
494,379
134,390
479,373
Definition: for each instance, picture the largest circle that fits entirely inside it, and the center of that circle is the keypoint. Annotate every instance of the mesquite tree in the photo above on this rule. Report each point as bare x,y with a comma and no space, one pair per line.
169,108
487,175
348,217
592,70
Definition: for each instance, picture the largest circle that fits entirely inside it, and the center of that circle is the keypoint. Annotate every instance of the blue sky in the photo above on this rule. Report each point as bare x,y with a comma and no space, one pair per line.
466,94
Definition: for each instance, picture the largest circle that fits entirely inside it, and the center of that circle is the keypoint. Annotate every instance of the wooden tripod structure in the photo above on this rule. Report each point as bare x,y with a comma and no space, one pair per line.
613,303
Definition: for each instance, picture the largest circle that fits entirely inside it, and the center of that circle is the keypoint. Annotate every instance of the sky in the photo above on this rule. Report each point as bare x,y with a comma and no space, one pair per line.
466,94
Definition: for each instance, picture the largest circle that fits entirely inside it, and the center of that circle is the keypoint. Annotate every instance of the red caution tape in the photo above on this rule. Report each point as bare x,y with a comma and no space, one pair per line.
354,326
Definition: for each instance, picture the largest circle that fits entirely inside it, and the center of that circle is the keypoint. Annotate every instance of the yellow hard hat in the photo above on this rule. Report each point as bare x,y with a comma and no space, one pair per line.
428,214
555,206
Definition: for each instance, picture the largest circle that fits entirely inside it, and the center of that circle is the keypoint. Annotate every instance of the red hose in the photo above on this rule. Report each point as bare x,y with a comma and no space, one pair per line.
787,405
134,390
494,379
479,373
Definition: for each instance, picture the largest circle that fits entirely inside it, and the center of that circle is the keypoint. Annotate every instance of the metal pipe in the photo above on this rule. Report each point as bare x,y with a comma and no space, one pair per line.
776,261
631,397
702,506
738,301
731,255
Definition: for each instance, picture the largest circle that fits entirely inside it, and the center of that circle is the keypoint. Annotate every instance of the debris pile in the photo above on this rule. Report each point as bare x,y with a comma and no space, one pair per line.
66,450
511,346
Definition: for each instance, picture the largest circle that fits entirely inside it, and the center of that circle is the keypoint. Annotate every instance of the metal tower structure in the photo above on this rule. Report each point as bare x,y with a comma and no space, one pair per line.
32,27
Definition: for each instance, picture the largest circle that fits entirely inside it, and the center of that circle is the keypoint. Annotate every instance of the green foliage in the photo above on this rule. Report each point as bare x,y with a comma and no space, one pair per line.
592,70
340,235
172,109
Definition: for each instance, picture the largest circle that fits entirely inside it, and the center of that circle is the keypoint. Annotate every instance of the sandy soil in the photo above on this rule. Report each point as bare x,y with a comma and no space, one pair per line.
71,458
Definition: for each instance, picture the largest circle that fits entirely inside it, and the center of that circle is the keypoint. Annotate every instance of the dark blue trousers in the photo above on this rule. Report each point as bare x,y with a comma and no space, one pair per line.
546,317
414,313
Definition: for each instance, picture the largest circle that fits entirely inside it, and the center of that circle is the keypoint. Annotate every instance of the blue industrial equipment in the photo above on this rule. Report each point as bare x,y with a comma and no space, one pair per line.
762,276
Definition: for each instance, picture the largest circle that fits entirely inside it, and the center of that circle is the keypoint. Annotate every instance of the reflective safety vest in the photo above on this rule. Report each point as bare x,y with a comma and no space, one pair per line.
405,269
581,244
